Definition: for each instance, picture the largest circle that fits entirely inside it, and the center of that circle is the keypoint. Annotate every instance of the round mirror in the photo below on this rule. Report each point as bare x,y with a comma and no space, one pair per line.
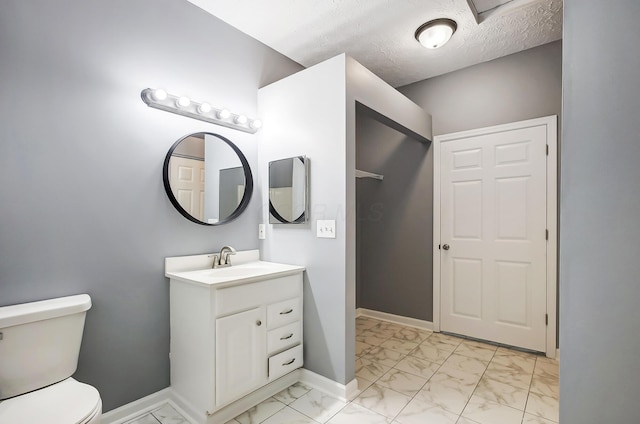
207,178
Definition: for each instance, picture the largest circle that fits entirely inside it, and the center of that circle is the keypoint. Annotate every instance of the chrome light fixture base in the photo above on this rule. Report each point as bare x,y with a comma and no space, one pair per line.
436,33
160,99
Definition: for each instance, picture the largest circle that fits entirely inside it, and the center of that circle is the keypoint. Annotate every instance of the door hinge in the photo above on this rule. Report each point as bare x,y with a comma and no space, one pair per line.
546,234
546,319
547,150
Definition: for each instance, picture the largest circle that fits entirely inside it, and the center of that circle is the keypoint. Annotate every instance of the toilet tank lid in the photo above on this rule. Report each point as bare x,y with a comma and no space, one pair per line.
44,309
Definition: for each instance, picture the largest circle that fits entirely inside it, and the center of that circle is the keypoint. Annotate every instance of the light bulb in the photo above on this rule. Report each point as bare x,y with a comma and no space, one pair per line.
241,119
183,101
204,108
159,94
255,124
224,114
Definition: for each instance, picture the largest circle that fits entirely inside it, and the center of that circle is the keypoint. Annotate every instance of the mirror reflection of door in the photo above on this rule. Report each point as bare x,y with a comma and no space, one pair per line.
186,173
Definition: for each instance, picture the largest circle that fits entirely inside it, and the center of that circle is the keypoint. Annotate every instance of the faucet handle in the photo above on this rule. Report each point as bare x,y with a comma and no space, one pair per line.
216,260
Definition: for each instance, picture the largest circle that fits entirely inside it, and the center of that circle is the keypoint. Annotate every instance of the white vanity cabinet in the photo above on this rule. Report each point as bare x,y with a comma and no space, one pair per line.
232,337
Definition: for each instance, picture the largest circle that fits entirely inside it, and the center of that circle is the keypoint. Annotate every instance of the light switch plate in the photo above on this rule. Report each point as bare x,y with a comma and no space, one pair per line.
326,228
262,233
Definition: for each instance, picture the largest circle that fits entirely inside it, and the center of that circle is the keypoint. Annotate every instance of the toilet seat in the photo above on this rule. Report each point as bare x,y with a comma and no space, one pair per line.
66,402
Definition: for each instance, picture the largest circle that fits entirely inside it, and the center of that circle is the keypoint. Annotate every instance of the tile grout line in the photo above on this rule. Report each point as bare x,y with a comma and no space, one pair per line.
476,387
535,363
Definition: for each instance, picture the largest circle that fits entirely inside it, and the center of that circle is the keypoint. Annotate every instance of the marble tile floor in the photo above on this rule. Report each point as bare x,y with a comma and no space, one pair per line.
163,415
412,376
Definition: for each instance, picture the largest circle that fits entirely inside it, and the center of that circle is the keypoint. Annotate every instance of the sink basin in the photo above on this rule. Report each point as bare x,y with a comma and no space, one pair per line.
240,273
243,270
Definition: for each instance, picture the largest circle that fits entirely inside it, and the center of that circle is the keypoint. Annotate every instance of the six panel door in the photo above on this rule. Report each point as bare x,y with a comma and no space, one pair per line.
493,223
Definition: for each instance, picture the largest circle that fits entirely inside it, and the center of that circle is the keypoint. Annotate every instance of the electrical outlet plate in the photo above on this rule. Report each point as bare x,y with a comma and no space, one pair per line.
262,232
326,228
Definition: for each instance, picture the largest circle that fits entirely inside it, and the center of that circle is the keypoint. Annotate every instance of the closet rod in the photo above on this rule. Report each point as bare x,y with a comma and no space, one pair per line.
365,174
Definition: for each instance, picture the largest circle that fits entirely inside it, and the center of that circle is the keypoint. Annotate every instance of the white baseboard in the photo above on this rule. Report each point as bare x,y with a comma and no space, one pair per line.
330,387
396,319
156,400
231,411
352,390
137,408
183,407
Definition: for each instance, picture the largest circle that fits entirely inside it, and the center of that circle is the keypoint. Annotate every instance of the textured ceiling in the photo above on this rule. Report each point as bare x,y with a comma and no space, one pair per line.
380,33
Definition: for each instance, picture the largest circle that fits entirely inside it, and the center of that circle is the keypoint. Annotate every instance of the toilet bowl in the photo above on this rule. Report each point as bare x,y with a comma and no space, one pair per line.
39,347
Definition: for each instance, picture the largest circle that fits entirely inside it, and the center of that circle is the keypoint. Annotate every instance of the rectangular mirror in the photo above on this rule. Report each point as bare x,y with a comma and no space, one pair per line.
288,190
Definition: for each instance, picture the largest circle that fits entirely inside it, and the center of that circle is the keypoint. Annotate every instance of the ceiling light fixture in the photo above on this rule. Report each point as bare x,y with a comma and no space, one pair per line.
436,33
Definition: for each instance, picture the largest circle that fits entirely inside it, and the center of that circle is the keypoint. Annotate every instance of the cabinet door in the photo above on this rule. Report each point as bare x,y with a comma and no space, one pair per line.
241,351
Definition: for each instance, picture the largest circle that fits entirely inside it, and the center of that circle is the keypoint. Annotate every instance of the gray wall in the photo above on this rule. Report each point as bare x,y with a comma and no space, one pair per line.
513,88
84,209
394,229
521,86
600,206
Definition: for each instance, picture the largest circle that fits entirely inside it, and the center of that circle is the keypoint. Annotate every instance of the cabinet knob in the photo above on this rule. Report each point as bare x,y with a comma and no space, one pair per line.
258,323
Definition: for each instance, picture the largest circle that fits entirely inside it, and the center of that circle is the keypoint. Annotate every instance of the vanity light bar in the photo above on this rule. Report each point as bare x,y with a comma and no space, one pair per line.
182,105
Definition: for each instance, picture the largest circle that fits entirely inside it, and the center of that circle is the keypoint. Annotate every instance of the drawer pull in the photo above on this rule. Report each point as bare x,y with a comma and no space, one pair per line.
286,312
289,363
286,337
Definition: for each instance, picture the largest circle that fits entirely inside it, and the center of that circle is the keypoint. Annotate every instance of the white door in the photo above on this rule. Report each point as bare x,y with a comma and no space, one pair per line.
493,230
241,351
187,184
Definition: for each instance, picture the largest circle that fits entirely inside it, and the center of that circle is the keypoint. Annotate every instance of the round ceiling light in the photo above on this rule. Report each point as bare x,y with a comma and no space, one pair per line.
436,33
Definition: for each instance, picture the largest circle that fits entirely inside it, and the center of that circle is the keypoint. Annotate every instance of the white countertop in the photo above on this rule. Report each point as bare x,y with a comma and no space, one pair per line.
245,268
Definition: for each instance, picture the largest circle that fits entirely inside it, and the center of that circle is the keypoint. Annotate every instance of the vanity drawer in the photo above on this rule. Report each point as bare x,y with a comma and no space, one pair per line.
285,362
284,337
281,313
246,296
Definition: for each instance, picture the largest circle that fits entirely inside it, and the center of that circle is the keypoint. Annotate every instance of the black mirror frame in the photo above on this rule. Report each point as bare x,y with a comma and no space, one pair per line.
303,217
248,177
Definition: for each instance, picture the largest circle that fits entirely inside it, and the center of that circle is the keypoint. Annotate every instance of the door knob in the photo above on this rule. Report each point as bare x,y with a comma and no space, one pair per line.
258,323
445,246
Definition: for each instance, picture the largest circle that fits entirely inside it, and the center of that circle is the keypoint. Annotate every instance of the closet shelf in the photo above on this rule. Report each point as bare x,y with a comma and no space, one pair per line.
365,174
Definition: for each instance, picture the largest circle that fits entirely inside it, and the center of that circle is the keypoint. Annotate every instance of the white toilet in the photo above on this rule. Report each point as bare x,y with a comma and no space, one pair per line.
39,347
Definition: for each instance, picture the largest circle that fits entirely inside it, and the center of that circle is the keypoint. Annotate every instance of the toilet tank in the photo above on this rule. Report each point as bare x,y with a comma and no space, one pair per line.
40,342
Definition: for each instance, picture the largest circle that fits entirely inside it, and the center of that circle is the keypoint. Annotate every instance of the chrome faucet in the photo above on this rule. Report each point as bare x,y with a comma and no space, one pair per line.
222,259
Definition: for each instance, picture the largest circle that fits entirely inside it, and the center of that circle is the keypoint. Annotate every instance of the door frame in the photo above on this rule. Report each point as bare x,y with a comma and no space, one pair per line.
551,123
